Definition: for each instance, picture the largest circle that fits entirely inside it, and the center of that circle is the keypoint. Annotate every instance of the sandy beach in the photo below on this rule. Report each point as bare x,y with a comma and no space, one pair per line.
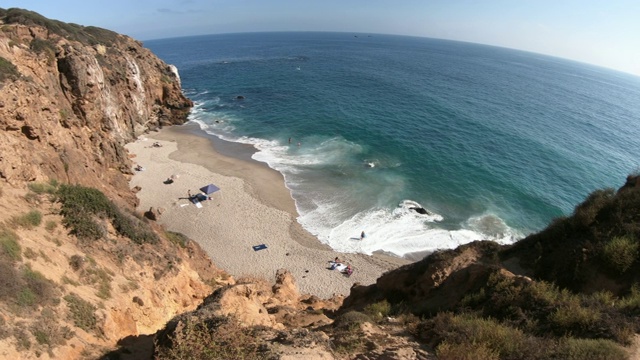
252,208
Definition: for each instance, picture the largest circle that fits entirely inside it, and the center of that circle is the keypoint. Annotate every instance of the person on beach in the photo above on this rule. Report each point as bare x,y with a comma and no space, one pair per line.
334,263
349,270
362,235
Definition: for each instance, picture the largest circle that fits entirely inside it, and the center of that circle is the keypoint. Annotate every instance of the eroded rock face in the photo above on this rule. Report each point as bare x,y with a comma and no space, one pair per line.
75,102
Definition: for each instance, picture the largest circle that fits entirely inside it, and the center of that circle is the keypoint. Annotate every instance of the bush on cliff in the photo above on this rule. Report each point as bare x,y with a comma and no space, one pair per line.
215,338
83,208
86,35
620,253
8,71
600,239
539,308
467,336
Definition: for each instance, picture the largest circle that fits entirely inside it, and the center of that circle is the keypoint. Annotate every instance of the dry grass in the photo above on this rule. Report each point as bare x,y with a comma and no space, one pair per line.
28,220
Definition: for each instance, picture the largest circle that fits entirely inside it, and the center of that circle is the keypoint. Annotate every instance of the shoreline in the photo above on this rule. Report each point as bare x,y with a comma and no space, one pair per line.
253,207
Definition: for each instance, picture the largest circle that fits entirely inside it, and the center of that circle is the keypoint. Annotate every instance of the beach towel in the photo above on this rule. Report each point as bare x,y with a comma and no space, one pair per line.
341,267
259,247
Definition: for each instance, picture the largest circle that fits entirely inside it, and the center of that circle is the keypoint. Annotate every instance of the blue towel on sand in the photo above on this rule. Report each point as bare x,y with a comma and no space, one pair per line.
259,247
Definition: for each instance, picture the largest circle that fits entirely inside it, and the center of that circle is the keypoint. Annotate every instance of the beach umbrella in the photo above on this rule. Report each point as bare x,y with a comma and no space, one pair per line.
175,176
209,189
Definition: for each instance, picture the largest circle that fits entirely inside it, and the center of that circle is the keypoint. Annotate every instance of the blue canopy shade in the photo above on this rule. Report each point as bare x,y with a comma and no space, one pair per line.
209,189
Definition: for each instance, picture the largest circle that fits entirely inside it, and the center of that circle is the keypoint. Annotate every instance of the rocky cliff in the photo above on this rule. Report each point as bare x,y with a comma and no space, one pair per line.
72,96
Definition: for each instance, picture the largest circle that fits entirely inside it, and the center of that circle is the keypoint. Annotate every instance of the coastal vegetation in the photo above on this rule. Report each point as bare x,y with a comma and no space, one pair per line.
8,71
600,239
85,34
83,209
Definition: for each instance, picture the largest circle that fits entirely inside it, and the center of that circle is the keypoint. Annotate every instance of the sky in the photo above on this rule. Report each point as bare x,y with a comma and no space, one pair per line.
599,32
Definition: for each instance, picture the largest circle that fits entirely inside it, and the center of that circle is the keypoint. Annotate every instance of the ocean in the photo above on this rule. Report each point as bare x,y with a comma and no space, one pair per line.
494,143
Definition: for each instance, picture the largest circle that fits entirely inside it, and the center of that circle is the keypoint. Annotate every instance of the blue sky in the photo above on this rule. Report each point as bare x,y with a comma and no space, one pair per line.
601,32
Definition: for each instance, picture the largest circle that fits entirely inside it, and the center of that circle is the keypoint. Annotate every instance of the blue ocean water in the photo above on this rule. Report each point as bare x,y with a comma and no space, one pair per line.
493,142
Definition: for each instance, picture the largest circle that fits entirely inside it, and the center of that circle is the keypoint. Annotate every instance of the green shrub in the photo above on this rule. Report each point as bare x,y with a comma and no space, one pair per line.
177,238
86,35
620,253
9,245
46,330
22,337
592,349
26,298
507,342
631,302
378,311
32,198
81,312
348,319
43,289
574,319
585,213
42,188
133,228
50,225
40,46
82,206
67,281
30,254
465,351
217,338
7,70
29,220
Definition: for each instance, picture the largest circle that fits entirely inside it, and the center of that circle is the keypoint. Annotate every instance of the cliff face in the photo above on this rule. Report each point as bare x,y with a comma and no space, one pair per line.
72,96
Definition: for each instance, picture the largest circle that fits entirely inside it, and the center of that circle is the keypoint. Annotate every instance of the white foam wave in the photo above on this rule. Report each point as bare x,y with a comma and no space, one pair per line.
399,231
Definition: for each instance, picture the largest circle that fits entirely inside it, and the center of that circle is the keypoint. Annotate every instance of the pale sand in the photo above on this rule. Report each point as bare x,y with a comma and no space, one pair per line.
254,207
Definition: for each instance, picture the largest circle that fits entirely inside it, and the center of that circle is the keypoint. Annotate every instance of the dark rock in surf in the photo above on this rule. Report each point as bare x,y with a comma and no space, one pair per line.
239,97
420,210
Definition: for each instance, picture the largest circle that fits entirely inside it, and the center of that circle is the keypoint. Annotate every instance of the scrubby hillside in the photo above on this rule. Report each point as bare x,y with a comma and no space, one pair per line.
595,249
78,273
